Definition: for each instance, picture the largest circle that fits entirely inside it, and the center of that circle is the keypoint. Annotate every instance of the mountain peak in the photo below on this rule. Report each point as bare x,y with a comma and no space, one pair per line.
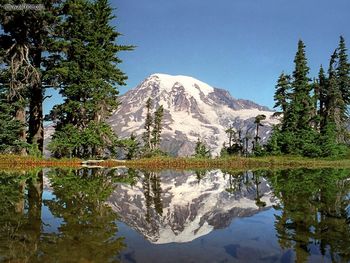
190,84
192,110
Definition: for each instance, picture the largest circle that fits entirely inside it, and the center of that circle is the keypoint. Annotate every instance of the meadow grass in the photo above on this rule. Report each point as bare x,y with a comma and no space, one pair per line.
273,162
29,162
161,163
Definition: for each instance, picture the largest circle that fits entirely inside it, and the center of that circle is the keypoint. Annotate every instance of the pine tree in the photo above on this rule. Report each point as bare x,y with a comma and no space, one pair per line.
301,105
26,36
343,73
282,92
334,102
231,133
148,126
343,79
88,75
235,142
131,146
157,127
314,124
201,150
322,97
10,129
257,121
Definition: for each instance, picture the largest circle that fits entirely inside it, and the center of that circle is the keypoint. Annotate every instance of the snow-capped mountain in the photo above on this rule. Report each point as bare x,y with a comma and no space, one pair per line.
192,110
177,207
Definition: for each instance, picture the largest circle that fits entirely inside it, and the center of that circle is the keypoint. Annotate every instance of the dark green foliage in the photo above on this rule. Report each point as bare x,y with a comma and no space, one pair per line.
70,141
343,71
88,74
273,147
10,129
301,106
26,37
131,146
314,114
201,150
235,143
282,92
148,126
257,121
257,147
157,127
153,128
321,97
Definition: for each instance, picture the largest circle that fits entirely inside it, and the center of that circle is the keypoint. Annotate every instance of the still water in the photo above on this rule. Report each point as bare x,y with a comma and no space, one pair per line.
121,215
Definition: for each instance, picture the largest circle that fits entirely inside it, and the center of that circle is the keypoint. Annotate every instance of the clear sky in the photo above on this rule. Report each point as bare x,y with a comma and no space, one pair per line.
238,45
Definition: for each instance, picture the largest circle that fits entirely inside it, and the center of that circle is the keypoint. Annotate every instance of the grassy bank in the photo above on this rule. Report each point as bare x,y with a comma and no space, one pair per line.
28,162
231,163
180,163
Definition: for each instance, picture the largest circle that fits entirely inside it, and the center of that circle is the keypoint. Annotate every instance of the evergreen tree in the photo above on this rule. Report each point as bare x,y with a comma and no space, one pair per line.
301,107
231,133
257,148
343,73
148,126
343,78
281,93
334,99
88,75
131,146
157,127
153,128
26,36
10,129
235,142
322,97
201,150
257,121
314,125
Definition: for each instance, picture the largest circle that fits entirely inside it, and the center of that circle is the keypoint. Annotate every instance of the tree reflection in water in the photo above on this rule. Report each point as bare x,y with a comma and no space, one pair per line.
20,215
313,209
314,212
152,190
88,231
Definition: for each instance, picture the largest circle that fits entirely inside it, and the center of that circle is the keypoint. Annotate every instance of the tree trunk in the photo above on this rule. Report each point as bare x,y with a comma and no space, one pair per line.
21,117
36,129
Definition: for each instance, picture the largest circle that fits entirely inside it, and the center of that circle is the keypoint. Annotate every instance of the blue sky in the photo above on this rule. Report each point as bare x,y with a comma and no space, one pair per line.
238,45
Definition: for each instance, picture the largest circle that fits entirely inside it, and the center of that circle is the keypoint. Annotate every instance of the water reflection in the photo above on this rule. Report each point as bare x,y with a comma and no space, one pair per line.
86,230
112,215
314,212
20,214
182,206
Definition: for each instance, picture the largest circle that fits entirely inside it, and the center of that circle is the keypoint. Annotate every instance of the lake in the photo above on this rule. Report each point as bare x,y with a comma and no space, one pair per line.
126,215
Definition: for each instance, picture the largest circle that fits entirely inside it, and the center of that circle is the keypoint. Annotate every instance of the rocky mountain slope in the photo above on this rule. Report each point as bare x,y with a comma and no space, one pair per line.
178,207
192,110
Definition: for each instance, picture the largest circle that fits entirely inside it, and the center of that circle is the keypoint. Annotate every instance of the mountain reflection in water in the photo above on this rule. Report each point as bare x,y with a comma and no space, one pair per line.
125,215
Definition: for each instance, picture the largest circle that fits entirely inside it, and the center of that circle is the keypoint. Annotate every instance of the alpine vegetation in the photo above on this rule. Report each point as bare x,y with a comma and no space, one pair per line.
314,115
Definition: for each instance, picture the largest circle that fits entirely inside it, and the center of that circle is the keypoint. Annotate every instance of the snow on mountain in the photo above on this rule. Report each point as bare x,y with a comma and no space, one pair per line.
177,207
193,109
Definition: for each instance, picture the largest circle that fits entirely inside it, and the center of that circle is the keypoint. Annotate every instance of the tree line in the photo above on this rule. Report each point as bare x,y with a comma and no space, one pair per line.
314,113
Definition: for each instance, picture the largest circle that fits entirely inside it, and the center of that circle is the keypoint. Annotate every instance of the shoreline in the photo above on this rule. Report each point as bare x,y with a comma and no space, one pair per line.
162,163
